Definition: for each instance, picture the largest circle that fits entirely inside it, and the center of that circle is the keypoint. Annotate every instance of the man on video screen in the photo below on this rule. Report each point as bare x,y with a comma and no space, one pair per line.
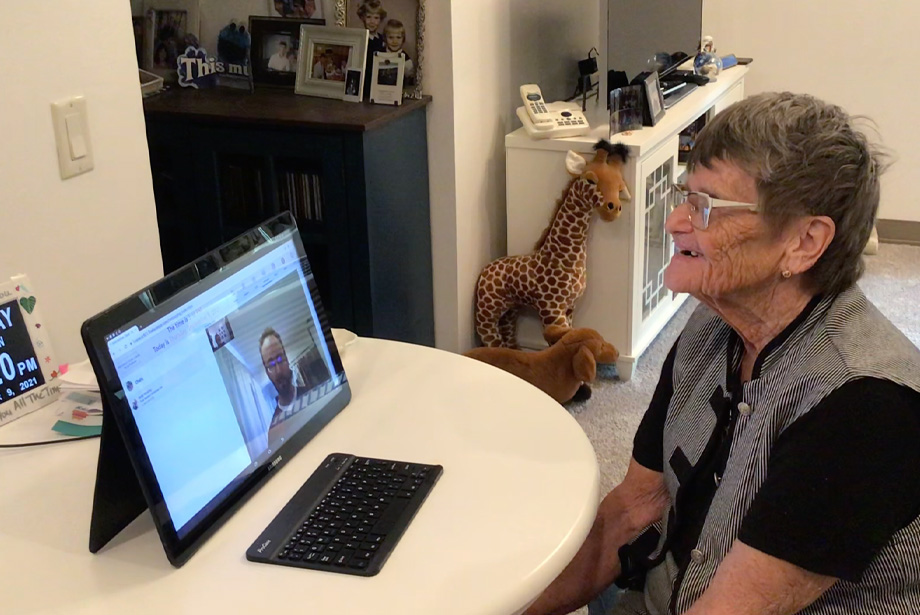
279,372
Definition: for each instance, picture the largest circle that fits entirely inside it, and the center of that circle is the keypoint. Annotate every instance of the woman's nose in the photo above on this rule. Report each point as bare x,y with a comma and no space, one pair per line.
679,219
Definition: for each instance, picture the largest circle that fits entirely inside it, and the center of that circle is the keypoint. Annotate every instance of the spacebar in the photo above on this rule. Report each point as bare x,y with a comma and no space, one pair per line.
390,516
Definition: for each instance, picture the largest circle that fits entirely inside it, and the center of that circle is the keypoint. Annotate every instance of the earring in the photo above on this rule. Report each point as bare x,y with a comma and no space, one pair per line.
786,274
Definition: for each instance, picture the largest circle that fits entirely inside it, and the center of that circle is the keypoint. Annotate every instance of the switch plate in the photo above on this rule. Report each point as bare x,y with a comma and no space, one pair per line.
71,132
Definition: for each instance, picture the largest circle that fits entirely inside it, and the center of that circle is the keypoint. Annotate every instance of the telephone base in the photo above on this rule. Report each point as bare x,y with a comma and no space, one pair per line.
561,129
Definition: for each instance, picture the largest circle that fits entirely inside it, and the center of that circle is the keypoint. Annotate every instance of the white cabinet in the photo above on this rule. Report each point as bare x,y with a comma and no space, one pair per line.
626,300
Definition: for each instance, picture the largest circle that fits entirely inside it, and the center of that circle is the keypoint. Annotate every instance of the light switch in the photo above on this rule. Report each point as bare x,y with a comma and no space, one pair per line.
75,137
71,131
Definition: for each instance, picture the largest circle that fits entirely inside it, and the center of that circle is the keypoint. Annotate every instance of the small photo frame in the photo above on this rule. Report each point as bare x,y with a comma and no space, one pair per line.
654,108
168,32
387,77
275,49
28,369
326,55
627,105
354,85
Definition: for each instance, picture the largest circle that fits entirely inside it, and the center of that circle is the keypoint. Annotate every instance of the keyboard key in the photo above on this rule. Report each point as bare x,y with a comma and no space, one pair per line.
358,564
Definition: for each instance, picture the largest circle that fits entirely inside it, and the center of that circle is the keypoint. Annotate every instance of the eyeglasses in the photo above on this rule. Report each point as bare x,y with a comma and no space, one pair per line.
701,204
273,364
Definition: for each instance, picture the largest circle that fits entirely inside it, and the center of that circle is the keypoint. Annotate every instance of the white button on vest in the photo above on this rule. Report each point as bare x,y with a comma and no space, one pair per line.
697,556
744,409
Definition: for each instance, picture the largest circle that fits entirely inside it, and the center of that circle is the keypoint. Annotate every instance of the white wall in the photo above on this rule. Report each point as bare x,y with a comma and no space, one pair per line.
494,47
88,241
853,53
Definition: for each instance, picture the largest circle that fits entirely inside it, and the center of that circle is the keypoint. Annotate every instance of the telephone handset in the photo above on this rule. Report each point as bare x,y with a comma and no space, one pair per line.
544,121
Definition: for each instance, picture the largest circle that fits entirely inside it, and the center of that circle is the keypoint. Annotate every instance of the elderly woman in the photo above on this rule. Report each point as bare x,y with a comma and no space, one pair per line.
777,468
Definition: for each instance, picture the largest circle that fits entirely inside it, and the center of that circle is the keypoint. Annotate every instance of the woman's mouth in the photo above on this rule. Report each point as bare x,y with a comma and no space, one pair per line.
689,253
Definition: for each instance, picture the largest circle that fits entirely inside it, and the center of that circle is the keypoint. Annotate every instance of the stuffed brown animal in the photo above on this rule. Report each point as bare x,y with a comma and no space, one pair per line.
552,277
559,370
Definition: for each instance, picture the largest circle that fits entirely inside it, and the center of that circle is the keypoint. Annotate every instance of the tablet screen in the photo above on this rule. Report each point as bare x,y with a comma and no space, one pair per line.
219,381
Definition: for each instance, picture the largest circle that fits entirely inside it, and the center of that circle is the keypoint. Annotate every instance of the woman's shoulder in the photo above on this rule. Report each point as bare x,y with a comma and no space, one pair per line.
864,340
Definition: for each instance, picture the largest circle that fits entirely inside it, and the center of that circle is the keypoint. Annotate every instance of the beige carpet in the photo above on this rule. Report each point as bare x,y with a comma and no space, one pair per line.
611,416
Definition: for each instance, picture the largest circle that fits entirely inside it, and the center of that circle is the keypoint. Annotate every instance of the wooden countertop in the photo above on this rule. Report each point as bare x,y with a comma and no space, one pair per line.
275,107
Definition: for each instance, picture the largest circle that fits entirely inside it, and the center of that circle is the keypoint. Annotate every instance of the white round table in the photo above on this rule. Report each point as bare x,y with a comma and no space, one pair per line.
517,498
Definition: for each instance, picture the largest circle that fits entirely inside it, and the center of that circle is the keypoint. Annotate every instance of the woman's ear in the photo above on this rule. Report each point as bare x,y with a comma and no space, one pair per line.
812,236
575,164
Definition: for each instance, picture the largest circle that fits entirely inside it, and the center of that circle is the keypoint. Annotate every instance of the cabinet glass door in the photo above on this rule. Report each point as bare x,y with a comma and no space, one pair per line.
658,244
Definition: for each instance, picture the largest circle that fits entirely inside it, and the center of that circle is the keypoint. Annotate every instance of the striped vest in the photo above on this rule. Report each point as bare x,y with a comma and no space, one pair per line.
844,338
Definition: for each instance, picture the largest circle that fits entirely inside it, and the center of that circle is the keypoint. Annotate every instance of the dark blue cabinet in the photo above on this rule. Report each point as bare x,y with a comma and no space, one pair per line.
355,176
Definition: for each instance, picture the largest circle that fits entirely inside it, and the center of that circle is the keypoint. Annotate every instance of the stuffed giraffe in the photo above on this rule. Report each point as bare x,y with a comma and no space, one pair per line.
552,277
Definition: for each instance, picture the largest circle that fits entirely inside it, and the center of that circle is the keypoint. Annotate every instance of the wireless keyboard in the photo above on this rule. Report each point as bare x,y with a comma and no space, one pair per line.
348,516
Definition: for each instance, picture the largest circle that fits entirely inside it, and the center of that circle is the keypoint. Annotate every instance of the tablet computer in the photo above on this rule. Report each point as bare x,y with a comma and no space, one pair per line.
214,376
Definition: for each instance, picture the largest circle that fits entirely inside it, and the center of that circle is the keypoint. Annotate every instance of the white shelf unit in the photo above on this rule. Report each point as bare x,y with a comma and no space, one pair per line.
625,300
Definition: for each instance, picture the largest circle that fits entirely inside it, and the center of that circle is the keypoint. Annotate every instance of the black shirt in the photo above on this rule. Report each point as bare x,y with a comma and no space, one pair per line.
841,480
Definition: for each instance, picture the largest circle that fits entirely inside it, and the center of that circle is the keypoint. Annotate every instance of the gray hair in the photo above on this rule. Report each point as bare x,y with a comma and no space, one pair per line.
807,159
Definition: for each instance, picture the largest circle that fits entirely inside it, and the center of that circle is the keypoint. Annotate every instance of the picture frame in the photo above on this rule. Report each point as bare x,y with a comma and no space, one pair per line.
301,9
354,85
627,105
654,99
275,49
170,27
387,77
327,54
410,15
165,39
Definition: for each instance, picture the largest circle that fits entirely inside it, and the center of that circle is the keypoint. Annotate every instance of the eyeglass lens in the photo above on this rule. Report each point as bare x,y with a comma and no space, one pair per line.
699,205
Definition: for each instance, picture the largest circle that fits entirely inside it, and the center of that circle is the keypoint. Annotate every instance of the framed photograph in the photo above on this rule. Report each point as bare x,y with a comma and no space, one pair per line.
165,40
276,48
170,27
326,55
626,108
387,78
354,85
394,26
301,9
654,98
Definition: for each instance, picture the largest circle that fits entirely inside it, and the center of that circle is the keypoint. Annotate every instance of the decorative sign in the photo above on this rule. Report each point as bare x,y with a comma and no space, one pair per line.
28,372
197,70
